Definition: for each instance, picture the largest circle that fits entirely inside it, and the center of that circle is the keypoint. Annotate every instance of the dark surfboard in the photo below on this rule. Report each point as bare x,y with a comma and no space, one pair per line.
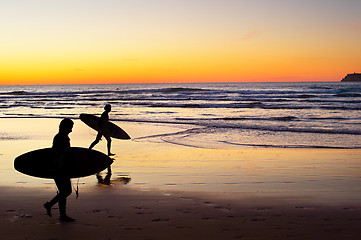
107,128
75,162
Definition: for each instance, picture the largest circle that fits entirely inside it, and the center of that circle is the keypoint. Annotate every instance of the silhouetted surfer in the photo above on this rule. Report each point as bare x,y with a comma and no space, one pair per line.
61,142
103,117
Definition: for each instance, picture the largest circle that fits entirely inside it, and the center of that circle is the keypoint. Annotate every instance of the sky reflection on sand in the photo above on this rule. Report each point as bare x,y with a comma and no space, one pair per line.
329,174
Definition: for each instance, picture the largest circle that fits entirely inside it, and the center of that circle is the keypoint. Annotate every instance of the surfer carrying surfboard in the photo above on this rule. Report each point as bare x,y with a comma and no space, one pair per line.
103,118
61,142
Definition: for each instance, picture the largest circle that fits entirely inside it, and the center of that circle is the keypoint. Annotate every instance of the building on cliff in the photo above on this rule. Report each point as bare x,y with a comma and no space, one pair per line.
353,77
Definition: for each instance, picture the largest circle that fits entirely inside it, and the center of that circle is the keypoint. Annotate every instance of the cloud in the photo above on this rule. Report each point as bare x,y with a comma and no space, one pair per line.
250,35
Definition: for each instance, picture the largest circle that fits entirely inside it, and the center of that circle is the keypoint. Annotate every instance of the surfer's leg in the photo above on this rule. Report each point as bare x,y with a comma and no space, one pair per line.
48,207
109,144
64,186
97,139
61,184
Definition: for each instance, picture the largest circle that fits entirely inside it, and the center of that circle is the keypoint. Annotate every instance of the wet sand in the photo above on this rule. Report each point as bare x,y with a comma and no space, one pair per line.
110,213
180,192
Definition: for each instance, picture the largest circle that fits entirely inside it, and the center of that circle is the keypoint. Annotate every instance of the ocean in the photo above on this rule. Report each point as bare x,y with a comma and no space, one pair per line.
217,115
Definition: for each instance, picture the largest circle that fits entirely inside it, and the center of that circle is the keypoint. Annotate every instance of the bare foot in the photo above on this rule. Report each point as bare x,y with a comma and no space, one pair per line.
48,208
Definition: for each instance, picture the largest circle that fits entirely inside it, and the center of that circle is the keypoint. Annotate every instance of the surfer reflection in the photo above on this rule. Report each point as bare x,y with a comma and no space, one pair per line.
106,179
104,117
61,142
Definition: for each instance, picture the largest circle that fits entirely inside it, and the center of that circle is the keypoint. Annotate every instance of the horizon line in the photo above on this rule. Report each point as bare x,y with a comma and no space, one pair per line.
62,84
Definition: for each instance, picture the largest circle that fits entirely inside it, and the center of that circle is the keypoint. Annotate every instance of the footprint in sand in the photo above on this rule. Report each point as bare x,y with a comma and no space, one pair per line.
184,210
91,225
115,217
140,213
258,220
161,220
100,210
349,208
223,208
23,216
143,212
305,208
133,229
145,208
263,209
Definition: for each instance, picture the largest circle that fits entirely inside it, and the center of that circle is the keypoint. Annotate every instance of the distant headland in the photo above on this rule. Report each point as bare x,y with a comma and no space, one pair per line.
353,77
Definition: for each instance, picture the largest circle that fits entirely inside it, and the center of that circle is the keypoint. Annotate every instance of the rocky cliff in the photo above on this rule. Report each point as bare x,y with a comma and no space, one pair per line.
354,77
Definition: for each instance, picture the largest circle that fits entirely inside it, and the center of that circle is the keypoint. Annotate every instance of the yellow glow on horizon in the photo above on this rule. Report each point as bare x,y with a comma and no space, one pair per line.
188,66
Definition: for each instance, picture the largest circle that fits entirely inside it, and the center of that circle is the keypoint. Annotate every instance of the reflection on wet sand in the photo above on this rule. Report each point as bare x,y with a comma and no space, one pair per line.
108,181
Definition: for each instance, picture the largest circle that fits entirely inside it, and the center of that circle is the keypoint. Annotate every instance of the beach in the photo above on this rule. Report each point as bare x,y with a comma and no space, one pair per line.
109,213
162,190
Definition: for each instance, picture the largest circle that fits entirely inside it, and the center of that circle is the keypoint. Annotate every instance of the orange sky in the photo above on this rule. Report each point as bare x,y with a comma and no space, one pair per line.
178,41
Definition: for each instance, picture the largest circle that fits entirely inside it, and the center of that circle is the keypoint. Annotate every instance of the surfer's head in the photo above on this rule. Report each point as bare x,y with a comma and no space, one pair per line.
66,125
108,108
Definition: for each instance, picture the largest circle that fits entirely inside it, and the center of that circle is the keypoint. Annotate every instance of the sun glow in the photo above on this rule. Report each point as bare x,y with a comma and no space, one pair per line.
62,43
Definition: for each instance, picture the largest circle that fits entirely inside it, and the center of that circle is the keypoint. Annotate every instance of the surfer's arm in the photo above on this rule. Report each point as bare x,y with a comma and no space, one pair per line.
103,118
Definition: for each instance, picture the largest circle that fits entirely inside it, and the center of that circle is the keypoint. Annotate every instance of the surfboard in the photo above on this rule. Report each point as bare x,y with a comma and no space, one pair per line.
75,162
107,128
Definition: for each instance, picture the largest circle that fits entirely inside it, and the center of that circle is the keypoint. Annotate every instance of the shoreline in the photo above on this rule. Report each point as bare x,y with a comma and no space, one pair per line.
184,128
